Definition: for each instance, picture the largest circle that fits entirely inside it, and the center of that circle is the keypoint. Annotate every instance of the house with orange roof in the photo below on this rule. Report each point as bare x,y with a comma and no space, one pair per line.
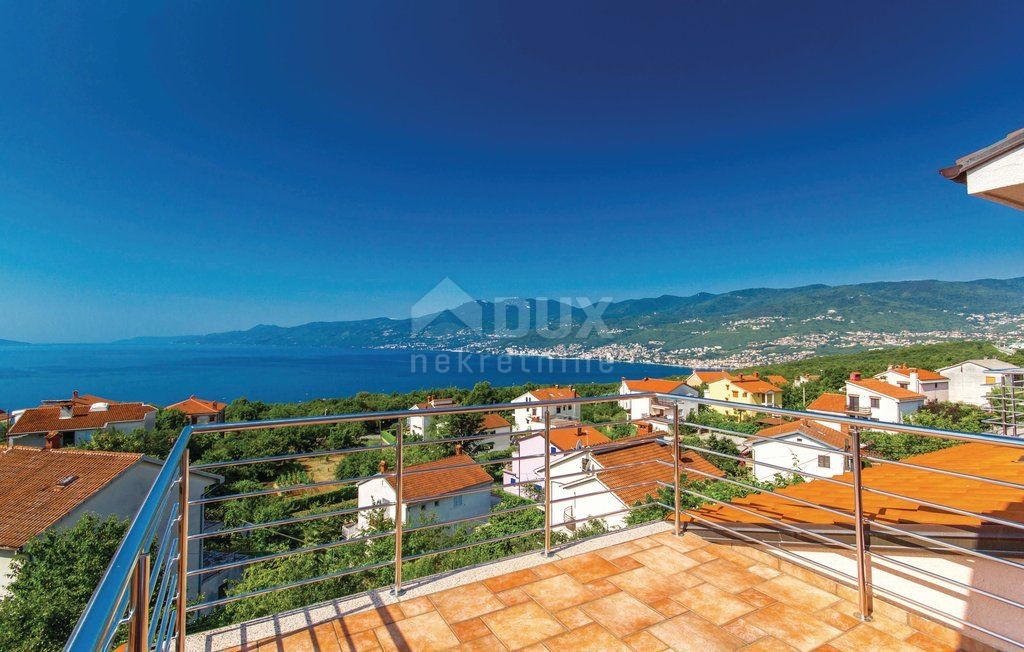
75,420
418,424
933,385
829,403
658,411
877,400
54,488
495,424
525,473
698,377
449,489
604,484
531,417
200,411
750,389
803,446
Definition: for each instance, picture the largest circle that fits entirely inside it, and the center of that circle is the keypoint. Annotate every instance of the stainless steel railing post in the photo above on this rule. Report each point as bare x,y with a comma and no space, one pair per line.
675,464
861,532
182,600
138,631
399,506
547,482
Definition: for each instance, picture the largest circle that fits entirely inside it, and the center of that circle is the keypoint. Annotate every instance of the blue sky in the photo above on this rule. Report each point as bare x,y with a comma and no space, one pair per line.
186,168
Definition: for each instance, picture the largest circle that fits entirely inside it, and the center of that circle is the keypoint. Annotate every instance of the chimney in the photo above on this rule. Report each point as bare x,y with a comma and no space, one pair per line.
647,377
890,367
458,449
66,411
383,466
556,385
855,375
74,394
757,374
53,441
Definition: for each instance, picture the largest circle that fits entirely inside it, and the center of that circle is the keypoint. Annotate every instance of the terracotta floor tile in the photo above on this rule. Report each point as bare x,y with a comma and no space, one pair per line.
573,617
744,631
734,555
928,644
601,588
892,628
645,542
365,641
369,619
547,570
612,553
626,563
792,591
682,543
767,572
424,632
712,603
522,625
645,642
768,644
320,638
689,632
559,592
489,643
511,580
726,575
622,614
415,606
470,630
512,597
589,638
837,619
645,584
794,625
755,597
865,637
465,602
664,560
588,567
701,556
668,607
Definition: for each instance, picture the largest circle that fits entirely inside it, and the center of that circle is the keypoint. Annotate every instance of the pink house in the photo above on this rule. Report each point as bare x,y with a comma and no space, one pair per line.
524,476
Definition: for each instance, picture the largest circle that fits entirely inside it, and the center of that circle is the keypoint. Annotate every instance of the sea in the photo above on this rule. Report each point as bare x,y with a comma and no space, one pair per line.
162,374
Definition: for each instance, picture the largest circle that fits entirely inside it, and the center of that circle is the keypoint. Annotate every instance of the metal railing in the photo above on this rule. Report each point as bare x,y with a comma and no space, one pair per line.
144,596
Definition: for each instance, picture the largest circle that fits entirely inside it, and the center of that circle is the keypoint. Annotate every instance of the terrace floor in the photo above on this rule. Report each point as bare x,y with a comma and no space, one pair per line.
655,592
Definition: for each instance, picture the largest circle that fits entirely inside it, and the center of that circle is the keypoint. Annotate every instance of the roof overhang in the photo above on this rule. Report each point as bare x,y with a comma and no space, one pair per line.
995,173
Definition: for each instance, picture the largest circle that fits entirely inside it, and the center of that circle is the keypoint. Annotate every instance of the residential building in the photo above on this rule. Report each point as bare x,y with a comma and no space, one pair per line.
53,488
829,403
803,379
432,492
658,410
698,378
876,400
200,411
532,417
524,476
995,173
780,451
971,381
749,389
605,483
75,420
495,424
775,379
418,425
934,386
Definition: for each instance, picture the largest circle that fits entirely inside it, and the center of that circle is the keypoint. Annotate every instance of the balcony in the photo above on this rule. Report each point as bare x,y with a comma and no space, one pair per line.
921,553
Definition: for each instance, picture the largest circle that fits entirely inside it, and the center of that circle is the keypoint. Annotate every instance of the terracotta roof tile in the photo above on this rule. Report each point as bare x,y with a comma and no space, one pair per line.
438,477
807,427
923,374
752,384
567,439
708,377
554,393
649,470
193,406
885,389
659,385
777,380
30,486
47,419
828,402
493,420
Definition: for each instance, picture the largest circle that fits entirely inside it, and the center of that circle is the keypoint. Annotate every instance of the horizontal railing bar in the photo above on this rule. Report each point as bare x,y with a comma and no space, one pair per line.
280,490
599,516
290,585
617,467
772,466
737,433
464,519
286,521
288,456
947,508
949,580
878,525
471,544
602,492
163,547
955,474
320,547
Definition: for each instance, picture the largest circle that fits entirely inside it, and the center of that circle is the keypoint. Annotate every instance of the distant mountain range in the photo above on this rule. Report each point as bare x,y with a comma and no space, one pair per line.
12,343
774,324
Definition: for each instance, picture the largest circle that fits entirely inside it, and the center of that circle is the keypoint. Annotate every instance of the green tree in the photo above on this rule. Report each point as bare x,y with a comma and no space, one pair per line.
54,576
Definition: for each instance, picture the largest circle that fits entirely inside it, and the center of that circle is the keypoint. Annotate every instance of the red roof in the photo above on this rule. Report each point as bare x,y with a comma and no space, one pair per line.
652,464
806,427
660,385
923,374
828,402
708,377
436,402
567,439
48,419
885,389
438,477
778,380
493,421
554,393
193,406
30,483
754,384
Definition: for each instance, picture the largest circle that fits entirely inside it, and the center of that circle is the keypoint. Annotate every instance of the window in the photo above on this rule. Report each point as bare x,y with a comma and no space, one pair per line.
436,503
875,402
903,385
735,394
512,481
824,461
990,380
553,450
458,501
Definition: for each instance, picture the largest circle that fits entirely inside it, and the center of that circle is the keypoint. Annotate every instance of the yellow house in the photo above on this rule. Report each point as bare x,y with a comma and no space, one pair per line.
750,389
698,378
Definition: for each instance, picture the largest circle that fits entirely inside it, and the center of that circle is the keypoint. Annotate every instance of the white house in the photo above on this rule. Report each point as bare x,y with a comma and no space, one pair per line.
55,487
933,385
658,411
971,381
532,417
432,492
200,411
873,399
76,420
418,425
780,450
606,483
803,379
524,476
495,424
995,173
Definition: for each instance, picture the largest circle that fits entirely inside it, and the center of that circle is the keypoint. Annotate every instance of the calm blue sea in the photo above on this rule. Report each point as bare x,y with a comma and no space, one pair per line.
164,374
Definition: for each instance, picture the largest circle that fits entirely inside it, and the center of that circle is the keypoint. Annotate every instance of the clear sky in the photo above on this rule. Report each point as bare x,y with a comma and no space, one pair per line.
187,168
